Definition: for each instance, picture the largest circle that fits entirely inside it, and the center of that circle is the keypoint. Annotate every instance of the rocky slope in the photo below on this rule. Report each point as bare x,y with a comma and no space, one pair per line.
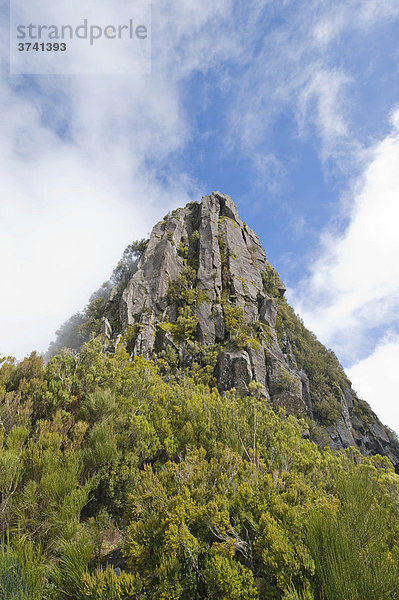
205,297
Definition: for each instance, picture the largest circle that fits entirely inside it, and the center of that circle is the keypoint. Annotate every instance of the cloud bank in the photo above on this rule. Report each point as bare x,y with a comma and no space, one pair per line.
351,297
377,378
77,178
353,287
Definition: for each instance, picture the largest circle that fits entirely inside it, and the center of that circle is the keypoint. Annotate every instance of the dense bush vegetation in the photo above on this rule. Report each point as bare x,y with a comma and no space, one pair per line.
326,376
208,497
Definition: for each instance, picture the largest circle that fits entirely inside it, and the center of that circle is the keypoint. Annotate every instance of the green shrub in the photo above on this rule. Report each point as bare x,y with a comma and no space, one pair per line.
210,496
271,282
68,573
352,547
104,584
326,377
13,580
130,336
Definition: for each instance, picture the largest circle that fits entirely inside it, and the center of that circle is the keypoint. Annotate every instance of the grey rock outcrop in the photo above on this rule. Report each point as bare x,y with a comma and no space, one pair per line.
205,253
234,371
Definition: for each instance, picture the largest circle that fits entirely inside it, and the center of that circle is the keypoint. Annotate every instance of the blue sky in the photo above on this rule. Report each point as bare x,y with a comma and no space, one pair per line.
292,108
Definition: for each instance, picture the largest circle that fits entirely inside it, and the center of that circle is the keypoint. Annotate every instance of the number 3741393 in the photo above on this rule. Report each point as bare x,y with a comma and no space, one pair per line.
42,47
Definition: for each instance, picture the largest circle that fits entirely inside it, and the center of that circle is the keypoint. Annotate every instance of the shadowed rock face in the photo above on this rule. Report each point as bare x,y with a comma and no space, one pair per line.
237,302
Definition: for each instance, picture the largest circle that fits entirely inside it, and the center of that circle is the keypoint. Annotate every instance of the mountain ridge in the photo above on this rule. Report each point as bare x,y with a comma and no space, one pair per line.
201,296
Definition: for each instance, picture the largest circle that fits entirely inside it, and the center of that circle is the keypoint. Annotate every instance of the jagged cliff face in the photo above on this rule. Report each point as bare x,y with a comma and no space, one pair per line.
225,252
205,296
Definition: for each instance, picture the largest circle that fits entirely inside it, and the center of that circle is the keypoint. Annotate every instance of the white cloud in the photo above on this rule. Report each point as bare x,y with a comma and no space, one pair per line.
352,15
351,296
65,219
354,285
290,77
296,71
320,101
77,181
376,379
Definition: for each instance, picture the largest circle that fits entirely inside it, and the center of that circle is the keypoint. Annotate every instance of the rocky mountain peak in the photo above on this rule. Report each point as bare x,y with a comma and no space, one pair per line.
205,299
228,260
